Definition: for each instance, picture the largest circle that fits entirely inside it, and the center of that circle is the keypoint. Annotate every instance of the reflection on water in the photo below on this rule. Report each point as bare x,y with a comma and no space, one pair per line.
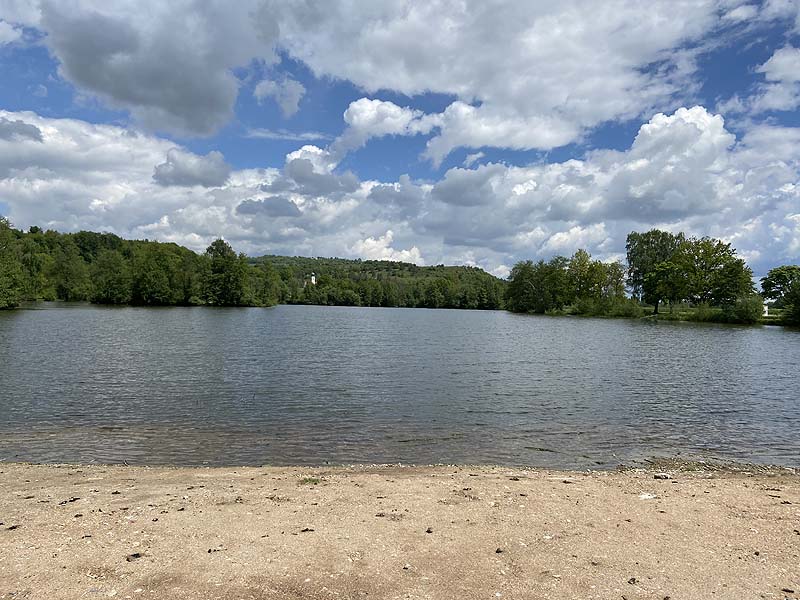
308,385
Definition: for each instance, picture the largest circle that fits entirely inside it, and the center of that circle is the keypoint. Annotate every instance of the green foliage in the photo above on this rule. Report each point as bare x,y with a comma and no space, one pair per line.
746,310
11,280
779,282
346,282
112,278
226,281
792,303
106,269
708,271
644,252
578,285
70,273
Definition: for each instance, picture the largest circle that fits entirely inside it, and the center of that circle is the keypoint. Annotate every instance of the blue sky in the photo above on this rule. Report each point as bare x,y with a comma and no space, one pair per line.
373,130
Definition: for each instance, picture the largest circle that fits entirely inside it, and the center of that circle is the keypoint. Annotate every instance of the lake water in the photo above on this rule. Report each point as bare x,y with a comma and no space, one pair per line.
310,385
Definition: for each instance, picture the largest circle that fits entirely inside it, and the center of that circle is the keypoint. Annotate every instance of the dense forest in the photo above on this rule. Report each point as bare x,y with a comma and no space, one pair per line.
104,268
695,278
699,279
384,283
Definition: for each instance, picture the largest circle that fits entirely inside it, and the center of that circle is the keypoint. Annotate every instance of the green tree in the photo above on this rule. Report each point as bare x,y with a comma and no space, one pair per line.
70,273
111,277
711,272
226,282
780,281
539,287
10,268
792,304
644,252
666,282
155,275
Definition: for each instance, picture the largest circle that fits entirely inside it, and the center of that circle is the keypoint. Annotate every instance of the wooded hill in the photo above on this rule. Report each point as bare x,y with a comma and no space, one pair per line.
104,268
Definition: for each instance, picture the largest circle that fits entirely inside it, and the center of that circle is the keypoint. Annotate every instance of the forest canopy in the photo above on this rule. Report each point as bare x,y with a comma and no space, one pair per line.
703,276
103,268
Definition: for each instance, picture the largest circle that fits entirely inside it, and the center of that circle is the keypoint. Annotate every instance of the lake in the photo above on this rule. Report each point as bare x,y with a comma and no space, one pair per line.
314,385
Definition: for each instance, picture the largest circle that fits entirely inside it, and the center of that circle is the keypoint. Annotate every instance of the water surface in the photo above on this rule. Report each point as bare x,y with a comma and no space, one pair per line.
309,385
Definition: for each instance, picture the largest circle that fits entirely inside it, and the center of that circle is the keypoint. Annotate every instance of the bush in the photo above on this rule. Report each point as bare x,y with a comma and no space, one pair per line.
746,310
703,313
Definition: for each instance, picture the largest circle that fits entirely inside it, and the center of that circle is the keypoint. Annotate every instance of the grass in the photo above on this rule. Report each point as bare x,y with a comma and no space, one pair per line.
310,481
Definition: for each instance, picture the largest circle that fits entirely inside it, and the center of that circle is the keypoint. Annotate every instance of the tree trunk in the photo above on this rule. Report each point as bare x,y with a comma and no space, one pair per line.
655,308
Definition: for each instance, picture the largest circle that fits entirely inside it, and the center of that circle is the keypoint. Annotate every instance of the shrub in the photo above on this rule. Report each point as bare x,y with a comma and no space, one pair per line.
746,310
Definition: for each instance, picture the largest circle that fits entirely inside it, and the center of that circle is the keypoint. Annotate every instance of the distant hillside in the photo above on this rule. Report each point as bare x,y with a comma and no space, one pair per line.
340,281
106,269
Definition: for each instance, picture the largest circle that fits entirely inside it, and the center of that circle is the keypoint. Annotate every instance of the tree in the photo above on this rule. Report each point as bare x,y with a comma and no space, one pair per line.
644,252
155,275
112,278
711,272
792,303
780,281
10,268
666,282
70,274
539,287
226,280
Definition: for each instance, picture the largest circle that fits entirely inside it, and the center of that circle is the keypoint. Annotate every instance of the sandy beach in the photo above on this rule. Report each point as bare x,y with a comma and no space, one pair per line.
397,532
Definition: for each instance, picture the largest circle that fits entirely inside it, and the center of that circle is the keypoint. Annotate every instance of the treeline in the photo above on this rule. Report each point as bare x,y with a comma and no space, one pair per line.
782,285
698,278
344,282
576,285
104,268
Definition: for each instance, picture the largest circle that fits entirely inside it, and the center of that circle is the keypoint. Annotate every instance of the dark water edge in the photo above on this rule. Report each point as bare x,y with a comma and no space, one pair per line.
306,385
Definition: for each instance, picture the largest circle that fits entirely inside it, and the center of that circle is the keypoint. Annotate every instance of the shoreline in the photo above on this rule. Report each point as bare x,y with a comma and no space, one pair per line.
679,529
664,317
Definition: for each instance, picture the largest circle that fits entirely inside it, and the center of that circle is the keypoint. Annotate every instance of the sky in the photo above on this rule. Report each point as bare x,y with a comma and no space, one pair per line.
457,132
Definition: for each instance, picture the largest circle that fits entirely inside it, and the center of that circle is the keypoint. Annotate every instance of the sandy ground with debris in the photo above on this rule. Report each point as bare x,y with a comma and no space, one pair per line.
396,532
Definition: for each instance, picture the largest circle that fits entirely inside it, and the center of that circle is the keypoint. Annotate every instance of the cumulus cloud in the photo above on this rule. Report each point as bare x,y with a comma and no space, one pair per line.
19,130
471,159
8,34
369,118
273,206
780,90
184,168
380,248
532,75
172,70
683,171
286,92
528,75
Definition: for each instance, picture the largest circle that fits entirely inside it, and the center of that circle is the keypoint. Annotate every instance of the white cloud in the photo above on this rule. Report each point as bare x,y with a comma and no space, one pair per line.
522,75
169,63
187,169
286,92
471,159
381,249
683,171
529,75
366,119
283,134
8,34
780,90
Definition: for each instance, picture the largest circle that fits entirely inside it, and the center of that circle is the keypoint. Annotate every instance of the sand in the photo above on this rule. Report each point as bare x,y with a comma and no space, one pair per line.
396,532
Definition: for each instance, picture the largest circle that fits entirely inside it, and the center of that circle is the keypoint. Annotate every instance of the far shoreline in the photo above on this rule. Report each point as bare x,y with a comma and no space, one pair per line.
660,317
